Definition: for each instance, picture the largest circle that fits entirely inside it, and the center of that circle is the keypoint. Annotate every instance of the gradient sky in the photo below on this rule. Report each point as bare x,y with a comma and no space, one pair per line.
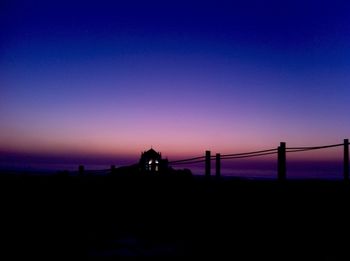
117,77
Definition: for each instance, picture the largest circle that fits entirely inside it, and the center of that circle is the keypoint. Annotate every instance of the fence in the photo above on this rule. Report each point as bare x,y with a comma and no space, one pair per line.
281,152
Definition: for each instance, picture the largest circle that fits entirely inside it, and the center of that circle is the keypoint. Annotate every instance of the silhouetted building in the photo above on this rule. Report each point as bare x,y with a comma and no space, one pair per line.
151,161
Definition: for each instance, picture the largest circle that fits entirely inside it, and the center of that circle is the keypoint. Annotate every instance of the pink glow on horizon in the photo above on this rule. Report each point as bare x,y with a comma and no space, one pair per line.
174,148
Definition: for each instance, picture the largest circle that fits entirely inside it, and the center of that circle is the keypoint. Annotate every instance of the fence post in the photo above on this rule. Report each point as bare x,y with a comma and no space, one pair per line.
282,161
218,165
346,159
207,163
81,169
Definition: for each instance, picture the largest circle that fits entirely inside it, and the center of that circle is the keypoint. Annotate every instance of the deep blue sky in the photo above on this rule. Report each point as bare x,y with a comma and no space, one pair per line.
116,77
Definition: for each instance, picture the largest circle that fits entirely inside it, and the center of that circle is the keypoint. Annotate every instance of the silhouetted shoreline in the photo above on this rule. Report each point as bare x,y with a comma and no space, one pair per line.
97,216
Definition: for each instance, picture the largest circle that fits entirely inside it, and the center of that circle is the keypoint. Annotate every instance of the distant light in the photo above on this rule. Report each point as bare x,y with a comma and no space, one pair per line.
150,162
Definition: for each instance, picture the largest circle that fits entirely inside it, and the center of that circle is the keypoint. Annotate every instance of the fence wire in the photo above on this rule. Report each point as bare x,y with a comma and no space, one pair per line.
250,154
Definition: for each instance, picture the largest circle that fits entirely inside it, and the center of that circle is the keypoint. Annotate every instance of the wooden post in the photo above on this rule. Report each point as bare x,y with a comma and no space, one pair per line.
218,165
282,161
112,168
81,169
207,163
346,159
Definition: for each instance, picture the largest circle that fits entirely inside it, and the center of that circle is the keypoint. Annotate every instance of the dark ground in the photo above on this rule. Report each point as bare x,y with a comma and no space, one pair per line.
118,216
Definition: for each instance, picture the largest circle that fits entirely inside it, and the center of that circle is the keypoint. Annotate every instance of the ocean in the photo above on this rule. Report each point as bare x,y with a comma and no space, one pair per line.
243,169
268,169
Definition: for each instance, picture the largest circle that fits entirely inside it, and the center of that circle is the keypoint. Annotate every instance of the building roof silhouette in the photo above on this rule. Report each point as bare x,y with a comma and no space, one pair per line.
151,153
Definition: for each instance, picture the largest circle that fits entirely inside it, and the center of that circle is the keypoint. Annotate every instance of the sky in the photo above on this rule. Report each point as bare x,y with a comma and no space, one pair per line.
114,78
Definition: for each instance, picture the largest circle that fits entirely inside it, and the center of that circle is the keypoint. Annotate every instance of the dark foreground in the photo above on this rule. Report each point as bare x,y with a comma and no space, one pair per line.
111,217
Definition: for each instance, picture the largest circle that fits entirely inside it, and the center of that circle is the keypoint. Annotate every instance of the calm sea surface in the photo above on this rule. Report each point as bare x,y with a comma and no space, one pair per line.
256,170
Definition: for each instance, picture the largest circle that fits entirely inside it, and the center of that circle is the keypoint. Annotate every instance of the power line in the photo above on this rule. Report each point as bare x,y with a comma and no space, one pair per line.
299,149
190,159
250,156
186,162
247,153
